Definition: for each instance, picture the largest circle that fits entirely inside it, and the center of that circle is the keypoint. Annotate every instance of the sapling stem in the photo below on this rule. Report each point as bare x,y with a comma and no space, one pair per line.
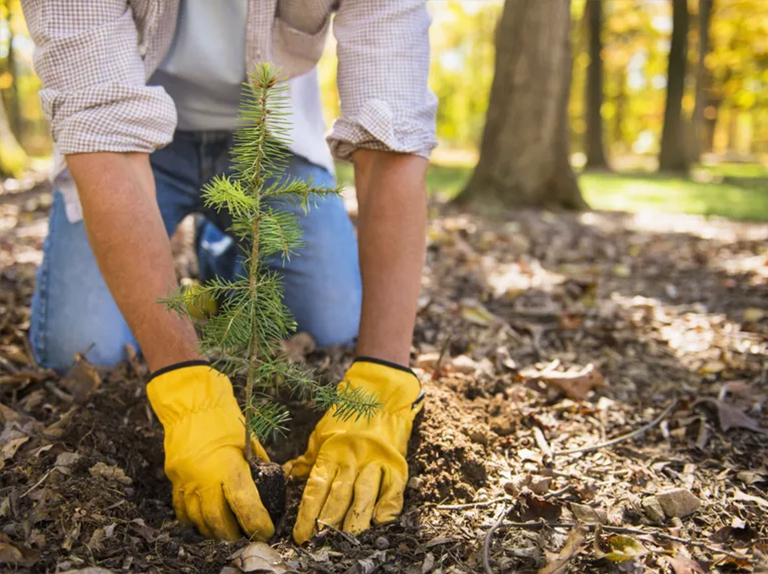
252,318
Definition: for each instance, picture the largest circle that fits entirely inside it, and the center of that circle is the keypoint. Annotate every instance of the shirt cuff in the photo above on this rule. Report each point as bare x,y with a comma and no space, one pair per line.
378,126
109,117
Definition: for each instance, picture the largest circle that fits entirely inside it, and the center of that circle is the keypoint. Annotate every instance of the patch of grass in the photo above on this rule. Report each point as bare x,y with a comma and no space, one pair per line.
658,192
736,191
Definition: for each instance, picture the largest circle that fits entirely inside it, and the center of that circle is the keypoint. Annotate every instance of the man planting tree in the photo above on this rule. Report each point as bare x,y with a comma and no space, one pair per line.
116,75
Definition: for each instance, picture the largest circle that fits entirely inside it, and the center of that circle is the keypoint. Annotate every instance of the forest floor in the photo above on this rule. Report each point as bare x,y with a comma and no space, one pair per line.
558,332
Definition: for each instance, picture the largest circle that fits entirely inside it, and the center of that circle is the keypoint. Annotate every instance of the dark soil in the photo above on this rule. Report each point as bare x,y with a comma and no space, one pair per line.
666,308
270,482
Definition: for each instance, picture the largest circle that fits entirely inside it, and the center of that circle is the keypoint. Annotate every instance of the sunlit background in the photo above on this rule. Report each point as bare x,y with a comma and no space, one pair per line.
731,179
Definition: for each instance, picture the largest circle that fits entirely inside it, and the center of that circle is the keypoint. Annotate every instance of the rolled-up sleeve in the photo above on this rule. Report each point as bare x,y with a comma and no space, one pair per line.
386,103
94,92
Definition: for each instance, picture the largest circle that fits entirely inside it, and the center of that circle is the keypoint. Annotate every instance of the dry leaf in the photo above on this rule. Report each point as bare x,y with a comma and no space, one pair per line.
474,312
81,380
624,548
752,314
558,562
682,565
533,507
260,557
110,473
744,497
730,417
16,555
712,367
9,449
9,554
576,385
587,514
298,347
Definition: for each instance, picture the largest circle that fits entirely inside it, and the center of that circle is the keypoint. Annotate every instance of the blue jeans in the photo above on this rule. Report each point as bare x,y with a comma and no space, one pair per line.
73,310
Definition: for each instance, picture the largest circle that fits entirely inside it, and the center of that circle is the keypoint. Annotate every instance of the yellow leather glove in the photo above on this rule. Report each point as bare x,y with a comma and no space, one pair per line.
357,469
204,452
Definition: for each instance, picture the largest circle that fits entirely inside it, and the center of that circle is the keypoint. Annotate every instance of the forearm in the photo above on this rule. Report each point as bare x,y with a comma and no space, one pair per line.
392,200
131,246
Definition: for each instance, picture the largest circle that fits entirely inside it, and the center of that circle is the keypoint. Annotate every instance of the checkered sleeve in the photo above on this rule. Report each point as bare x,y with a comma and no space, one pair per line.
94,87
386,103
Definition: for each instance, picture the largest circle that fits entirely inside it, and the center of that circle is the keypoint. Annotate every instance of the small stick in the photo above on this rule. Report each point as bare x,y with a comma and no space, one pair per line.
440,357
483,504
62,395
560,492
622,438
541,441
488,539
346,535
618,530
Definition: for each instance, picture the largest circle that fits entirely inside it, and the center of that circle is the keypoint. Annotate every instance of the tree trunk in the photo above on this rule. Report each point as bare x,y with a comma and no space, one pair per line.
621,108
702,82
524,151
13,159
673,156
595,146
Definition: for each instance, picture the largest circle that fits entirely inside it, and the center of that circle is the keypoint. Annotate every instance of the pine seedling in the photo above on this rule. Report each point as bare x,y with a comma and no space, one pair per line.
245,335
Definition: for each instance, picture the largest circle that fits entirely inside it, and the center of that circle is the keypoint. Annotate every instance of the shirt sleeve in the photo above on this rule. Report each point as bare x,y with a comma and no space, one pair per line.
94,91
386,103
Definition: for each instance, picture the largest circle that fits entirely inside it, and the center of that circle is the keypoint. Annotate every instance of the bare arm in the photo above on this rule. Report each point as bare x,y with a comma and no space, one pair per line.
129,241
392,198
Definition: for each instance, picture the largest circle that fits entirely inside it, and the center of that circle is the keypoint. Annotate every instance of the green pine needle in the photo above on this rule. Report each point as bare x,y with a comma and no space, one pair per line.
245,334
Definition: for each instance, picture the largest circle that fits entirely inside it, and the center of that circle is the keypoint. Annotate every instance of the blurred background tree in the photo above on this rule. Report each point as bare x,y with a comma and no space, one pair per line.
620,82
524,154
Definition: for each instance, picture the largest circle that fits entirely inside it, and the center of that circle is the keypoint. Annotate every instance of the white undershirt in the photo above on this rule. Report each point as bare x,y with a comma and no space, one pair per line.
205,67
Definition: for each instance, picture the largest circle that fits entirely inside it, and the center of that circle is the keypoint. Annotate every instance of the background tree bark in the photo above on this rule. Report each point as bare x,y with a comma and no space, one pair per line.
673,156
524,154
702,82
595,146
13,158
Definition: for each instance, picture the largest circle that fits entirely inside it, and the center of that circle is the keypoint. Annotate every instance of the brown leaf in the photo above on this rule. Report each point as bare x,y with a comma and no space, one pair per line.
682,565
16,555
110,473
533,507
260,557
9,449
730,417
298,347
559,561
576,385
81,380
744,497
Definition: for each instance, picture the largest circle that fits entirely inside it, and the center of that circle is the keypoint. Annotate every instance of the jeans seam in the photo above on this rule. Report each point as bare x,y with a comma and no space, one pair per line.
40,345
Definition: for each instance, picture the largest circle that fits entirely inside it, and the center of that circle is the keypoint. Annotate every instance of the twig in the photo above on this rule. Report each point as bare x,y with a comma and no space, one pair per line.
489,539
483,504
560,492
440,357
38,483
541,441
622,438
346,535
62,395
616,529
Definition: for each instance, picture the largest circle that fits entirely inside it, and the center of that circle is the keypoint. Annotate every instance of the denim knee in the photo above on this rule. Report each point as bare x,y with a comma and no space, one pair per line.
72,308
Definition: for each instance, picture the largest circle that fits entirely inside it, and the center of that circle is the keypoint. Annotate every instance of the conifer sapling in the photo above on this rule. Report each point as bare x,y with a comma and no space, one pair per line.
244,336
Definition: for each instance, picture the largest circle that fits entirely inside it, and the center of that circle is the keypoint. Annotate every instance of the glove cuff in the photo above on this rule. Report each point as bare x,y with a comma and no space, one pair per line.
185,388
396,386
177,366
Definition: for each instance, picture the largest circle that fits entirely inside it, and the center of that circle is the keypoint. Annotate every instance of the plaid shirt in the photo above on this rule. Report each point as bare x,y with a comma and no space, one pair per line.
95,56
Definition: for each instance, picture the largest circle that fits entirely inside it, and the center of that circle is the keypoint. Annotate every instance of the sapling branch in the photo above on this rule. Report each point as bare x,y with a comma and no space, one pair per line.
245,333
